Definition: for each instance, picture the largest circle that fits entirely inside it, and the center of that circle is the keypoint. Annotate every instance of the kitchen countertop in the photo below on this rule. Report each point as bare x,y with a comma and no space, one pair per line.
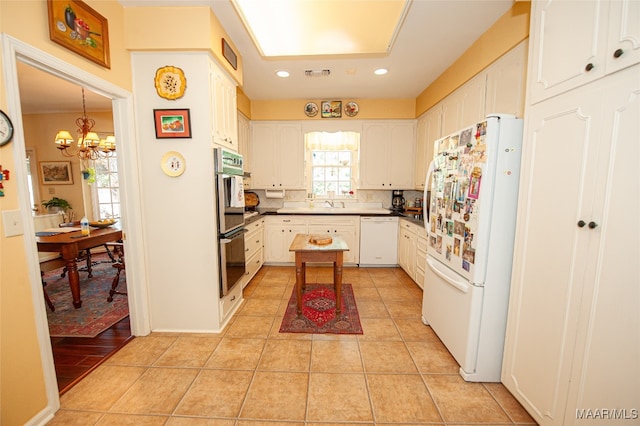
373,212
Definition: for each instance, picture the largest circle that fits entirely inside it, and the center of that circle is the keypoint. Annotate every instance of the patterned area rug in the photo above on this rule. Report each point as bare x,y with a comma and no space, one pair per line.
319,312
96,314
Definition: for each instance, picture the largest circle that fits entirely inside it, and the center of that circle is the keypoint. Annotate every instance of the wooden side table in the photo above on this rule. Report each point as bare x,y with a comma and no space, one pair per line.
306,251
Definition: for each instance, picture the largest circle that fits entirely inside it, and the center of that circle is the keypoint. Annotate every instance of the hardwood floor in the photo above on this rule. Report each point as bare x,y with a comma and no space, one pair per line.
75,357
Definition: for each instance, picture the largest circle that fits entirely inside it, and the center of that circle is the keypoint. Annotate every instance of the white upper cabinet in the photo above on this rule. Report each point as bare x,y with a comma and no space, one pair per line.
387,155
500,88
428,130
277,156
243,141
225,110
623,43
582,42
506,81
465,106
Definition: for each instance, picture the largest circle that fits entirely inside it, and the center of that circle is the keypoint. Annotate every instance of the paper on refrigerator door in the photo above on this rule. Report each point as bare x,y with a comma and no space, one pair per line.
459,164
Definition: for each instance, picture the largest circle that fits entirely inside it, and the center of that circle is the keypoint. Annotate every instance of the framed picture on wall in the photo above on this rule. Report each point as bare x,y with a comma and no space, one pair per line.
56,173
331,109
172,123
75,25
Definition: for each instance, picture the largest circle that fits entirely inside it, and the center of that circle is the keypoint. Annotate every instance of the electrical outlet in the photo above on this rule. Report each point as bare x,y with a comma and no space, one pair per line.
52,191
12,221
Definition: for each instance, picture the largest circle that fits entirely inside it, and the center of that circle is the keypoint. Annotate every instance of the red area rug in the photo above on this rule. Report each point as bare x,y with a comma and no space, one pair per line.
319,312
96,314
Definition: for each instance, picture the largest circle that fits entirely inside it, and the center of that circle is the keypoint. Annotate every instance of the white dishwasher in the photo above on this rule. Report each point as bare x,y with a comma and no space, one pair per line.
378,241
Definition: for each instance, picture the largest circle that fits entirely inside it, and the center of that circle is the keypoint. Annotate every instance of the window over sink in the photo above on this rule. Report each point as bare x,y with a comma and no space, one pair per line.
332,163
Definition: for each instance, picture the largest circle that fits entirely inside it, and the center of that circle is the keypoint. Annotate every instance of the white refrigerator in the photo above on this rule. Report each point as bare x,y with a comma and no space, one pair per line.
471,224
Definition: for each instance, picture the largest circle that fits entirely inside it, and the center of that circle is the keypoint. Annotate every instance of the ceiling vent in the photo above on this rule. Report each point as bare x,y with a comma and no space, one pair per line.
317,73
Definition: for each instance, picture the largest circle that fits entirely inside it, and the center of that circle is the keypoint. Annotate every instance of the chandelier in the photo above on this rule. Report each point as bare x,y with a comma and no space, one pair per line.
89,145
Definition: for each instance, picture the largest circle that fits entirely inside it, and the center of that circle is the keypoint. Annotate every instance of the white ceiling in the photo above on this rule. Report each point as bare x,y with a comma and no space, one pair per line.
434,34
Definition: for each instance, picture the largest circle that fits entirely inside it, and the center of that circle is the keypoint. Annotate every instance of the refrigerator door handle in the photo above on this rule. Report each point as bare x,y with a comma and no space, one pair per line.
426,221
451,279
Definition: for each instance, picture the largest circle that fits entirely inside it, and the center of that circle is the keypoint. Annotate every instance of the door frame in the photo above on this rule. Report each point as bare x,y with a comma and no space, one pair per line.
14,50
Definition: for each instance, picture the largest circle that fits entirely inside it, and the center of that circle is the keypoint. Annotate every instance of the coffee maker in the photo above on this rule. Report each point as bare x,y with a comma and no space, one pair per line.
397,201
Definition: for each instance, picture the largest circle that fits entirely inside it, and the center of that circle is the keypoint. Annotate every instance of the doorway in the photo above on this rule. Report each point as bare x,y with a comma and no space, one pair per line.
15,51
44,113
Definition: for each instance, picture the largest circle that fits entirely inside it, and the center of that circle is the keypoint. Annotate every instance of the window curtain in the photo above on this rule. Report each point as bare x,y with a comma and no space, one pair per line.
339,141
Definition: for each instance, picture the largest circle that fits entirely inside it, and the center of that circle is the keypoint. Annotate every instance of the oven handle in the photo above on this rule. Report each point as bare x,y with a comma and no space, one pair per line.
235,235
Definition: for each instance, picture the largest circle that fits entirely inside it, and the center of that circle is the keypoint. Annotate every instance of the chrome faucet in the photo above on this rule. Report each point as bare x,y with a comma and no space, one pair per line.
330,202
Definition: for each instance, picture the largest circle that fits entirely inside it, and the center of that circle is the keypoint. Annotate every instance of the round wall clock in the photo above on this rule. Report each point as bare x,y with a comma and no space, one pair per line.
6,129
311,109
173,163
170,82
351,109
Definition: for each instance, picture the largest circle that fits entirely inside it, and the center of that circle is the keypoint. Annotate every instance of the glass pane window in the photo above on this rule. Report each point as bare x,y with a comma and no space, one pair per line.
106,190
332,163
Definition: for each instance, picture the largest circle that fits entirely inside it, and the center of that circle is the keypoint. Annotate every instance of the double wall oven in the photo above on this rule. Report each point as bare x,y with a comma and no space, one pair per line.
230,207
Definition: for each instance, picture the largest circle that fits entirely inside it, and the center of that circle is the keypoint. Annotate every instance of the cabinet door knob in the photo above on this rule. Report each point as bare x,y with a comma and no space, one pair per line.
581,223
589,67
592,225
618,53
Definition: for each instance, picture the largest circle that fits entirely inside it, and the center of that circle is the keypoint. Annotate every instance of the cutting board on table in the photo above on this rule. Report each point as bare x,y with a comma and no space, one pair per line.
251,199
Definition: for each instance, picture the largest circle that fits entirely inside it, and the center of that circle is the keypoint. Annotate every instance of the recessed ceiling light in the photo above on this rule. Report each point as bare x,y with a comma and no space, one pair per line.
381,71
282,74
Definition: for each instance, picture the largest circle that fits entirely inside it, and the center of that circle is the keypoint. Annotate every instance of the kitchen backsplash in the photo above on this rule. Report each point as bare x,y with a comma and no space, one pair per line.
383,197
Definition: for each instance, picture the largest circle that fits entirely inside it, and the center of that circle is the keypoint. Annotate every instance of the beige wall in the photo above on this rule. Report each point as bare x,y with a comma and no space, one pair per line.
200,30
22,388
293,109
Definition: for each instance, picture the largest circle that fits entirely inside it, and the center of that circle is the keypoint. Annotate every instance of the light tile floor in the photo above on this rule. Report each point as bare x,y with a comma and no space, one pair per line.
397,372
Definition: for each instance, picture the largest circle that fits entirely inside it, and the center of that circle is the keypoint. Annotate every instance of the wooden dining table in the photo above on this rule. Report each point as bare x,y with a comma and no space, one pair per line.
68,244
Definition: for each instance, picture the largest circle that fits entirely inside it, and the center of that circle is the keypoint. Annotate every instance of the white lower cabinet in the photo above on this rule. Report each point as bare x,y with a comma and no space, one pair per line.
421,257
230,303
407,250
346,228
412,250
253,249
279,233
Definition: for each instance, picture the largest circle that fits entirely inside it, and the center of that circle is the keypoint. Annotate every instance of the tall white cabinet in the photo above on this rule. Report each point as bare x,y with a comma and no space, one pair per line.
572,346
225,113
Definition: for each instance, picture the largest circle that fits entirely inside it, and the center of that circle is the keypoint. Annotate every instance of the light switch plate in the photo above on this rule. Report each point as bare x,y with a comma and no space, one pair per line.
12,221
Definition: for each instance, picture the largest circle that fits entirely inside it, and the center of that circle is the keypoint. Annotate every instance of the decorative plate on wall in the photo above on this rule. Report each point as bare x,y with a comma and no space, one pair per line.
170,82
311,109
173,164
351,109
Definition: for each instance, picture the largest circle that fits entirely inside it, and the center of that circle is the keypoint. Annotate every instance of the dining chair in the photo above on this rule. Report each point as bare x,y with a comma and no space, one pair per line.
46,266
118,254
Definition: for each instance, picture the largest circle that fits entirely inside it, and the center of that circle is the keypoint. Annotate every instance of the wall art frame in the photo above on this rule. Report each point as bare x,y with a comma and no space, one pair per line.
172,123
56,173
331,109
76,26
